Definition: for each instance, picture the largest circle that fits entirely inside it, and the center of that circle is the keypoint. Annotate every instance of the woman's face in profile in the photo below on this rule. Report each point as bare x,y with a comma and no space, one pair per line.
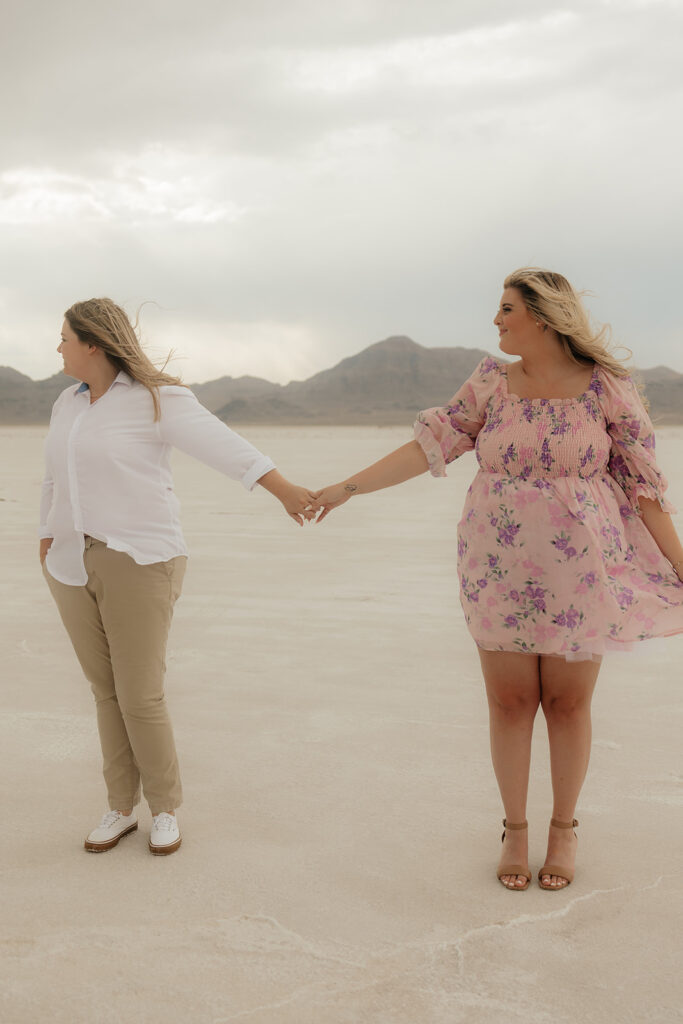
74,352
516,326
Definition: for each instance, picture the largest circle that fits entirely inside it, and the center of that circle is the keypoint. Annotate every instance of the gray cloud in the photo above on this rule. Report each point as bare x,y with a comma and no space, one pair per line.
291,183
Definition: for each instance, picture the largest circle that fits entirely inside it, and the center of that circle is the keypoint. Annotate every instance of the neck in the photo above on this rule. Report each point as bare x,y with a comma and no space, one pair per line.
100,379
547,362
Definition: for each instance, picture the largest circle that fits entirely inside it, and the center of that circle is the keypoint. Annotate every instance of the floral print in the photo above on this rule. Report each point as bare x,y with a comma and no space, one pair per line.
553,557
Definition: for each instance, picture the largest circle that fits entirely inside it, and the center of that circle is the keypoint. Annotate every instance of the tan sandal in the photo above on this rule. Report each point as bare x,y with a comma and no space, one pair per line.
556,869
513,869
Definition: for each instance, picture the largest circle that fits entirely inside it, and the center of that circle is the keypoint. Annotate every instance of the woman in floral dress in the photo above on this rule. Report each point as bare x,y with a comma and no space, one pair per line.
566,548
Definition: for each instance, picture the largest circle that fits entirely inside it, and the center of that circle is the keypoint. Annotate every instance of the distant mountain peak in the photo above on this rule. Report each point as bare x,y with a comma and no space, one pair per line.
7,373
396,343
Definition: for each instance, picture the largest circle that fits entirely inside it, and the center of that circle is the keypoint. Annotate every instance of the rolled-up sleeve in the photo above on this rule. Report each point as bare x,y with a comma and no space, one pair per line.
187,425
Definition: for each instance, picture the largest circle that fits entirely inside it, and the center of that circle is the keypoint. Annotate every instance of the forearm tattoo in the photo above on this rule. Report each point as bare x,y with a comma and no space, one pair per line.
350,488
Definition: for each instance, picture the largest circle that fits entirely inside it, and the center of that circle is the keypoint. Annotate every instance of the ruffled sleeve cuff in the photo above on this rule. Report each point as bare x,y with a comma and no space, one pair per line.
439,441
654,494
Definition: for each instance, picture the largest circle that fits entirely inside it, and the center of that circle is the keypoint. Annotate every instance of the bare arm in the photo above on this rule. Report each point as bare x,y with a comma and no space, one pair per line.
400,465
663,531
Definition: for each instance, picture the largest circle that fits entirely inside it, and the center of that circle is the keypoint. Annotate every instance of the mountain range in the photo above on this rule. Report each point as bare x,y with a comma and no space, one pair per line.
386,383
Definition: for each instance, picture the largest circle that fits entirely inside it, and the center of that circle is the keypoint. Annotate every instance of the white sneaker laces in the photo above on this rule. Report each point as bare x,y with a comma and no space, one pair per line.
164,822
110,818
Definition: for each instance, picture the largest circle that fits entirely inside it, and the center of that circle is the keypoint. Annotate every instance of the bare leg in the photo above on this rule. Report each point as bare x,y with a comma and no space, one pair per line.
513,689
566,693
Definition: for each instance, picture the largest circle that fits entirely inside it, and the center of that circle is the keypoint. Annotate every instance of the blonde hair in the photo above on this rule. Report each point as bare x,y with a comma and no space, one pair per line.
551,299
102,323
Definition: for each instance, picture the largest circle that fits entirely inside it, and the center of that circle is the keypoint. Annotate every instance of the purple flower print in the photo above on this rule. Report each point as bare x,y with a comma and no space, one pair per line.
510,621
507,534
560,426
590,578
528,410
462,547
492,422
514,595
488,365
509,455
596,385
573,617
588,456
561,542
536,597
617,465
625,598
634,429
497,487
569,618
482,584
546,458
493,561
494,520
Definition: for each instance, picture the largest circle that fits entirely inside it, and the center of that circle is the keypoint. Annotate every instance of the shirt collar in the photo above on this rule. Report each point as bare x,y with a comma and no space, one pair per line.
121,378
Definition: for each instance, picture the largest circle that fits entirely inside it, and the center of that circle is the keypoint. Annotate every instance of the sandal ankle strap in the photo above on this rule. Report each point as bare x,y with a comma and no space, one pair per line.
560,824
508,824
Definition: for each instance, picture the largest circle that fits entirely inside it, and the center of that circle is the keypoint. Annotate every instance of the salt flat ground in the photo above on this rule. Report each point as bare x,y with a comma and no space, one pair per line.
341,820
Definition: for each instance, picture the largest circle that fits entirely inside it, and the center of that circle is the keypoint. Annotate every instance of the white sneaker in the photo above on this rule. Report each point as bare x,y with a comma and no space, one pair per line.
165,835
114,826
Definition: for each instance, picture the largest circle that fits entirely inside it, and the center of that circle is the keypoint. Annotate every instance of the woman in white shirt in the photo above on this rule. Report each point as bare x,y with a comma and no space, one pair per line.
112,549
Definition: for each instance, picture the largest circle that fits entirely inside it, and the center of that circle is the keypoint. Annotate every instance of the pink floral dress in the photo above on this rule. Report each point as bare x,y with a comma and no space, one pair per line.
552,555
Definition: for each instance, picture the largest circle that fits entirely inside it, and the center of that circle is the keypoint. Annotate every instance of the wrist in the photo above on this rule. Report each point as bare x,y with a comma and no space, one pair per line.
350,488
274,482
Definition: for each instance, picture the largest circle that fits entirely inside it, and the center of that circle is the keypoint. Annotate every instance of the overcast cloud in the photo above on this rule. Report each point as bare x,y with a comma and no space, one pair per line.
290,182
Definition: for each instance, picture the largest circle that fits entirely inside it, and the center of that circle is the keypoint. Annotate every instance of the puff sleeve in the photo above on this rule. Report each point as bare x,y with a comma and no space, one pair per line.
632,462
446,432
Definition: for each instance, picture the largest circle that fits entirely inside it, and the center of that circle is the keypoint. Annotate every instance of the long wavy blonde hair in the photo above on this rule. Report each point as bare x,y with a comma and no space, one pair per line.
102,323
551,299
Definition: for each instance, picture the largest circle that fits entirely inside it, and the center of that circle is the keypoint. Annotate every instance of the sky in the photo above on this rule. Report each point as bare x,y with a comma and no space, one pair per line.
286,182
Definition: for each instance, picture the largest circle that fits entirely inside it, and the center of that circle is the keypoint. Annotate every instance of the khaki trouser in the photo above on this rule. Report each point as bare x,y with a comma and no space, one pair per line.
118,624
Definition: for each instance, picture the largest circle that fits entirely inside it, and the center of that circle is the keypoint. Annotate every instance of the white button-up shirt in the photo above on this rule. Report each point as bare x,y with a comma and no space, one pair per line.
109,475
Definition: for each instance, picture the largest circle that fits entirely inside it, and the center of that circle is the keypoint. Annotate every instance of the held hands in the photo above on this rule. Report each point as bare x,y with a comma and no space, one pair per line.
332,497
299,503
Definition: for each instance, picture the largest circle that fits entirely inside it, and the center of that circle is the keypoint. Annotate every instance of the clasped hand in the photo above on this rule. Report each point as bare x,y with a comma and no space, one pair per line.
303,505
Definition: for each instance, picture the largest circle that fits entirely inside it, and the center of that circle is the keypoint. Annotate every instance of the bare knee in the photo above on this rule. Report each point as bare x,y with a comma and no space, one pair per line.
565,707
511,702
